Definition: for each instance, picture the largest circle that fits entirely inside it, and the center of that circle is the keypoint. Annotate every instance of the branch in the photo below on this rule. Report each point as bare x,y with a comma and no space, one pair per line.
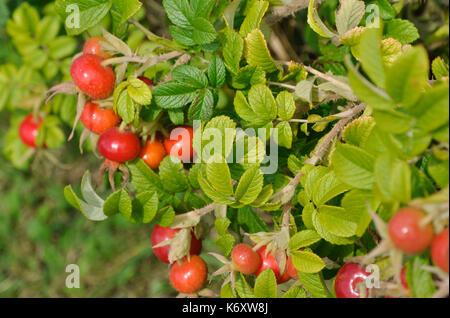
322,148
286,10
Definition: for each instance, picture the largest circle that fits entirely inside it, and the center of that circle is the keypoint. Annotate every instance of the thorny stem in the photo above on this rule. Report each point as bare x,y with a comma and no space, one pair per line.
286,10
327,78
323,146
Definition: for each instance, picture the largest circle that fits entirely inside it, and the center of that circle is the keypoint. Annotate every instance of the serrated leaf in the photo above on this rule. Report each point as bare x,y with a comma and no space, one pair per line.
262,102
295,292
307,262
314,284
190,75
402,30
326,235
203,107
285,134
370,56
139,91
393,178
233,48
218,175
266,285
328,187
174,95
316,23
286,105
126,107
355,204
117,202
439,67
204,31
257,53
420,281
358,131
250,221
225,243
411,73
249,186
178,12
253,17
145,207
242,287
349,15
336,221
165,216
303,238
172,176
216,72
353,166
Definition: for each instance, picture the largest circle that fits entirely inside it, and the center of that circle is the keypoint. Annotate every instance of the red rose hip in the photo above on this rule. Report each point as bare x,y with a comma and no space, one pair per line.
181,144
349,281
29,129
439,250
268,261
98,120
92,46
153,153
119,146
91,77
188,276
245,259
406,232
161,234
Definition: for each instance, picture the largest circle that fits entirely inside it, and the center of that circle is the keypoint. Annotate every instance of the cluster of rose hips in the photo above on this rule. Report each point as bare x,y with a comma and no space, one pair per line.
409,235
115,143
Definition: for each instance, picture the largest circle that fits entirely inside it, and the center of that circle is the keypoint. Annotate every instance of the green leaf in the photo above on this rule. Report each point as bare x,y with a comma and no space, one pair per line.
393,178
328,187
139,91
439,67
402,30
366,91
218,174
420,281
432,110
216,72
303,238
439,171
250,221
145,207
407,76
248,76
165,216
253,17
233,48
284,134
190,75
328,236
355,204
349,15
91,12
118,202
358,131
337,221
314,284
221,128
202,108
173,95
393,121
202,8
172,176
227,291
225,243
178,12
222,225
126,107
370,56
242,287
176,116
126,8
286,105
242,107
262,102
316,23
266,285
204,31
295,292
181,35
353,166
307,262
257,53
210,192
143,178
249,186
47,29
